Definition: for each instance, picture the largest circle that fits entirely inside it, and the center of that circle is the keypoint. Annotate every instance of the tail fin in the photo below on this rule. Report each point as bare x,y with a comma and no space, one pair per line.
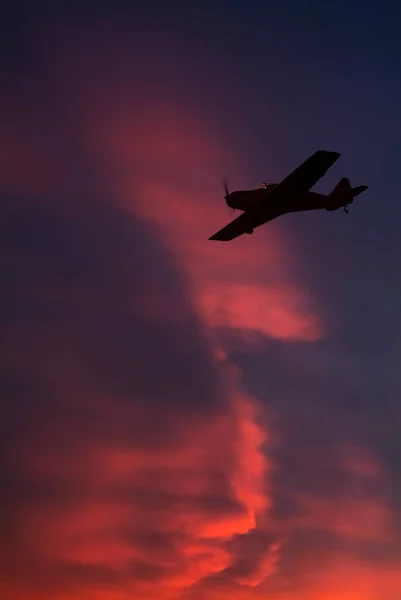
343,187
358,190
343,194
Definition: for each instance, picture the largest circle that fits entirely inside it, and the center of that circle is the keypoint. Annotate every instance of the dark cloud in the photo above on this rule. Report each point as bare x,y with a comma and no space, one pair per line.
86,285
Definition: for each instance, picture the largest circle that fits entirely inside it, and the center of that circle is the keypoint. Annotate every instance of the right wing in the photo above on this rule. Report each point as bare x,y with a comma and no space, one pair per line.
237,227
308,173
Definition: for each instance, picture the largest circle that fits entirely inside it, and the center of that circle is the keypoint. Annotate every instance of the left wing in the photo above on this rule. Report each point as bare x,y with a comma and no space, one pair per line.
234,229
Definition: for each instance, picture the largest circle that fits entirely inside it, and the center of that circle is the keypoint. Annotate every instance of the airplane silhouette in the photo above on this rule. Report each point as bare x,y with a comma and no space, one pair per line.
292,194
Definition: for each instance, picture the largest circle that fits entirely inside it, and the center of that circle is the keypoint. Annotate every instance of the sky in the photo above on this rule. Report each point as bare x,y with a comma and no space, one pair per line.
184,419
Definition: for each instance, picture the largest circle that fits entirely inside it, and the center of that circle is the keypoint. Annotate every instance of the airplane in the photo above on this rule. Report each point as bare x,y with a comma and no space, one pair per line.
292,194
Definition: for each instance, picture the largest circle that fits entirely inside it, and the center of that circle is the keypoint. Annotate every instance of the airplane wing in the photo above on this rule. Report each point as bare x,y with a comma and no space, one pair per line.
308,173
234,229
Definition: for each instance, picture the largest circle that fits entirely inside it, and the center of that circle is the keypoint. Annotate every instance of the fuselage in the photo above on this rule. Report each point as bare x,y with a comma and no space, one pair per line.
248,200
266,203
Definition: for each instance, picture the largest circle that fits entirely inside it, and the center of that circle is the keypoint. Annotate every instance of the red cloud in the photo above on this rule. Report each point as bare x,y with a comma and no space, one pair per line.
242,286
198,494
165,164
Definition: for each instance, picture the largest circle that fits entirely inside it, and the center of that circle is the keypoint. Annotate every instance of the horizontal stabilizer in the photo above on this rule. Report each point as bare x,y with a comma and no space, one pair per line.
358,190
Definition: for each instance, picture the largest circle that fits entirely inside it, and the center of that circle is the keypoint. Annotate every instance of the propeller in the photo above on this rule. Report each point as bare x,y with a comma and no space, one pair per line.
225,186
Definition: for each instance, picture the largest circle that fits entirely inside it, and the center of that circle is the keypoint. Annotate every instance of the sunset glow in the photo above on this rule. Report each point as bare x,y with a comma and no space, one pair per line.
174,418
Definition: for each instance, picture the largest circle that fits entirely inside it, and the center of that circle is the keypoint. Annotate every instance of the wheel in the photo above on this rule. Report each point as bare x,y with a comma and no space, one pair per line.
250,231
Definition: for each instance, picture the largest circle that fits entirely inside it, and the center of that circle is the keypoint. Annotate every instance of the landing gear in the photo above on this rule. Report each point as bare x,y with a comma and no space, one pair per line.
346,209
250,231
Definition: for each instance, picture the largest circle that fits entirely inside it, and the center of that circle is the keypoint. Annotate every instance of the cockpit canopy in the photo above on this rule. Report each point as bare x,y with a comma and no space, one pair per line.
266,186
